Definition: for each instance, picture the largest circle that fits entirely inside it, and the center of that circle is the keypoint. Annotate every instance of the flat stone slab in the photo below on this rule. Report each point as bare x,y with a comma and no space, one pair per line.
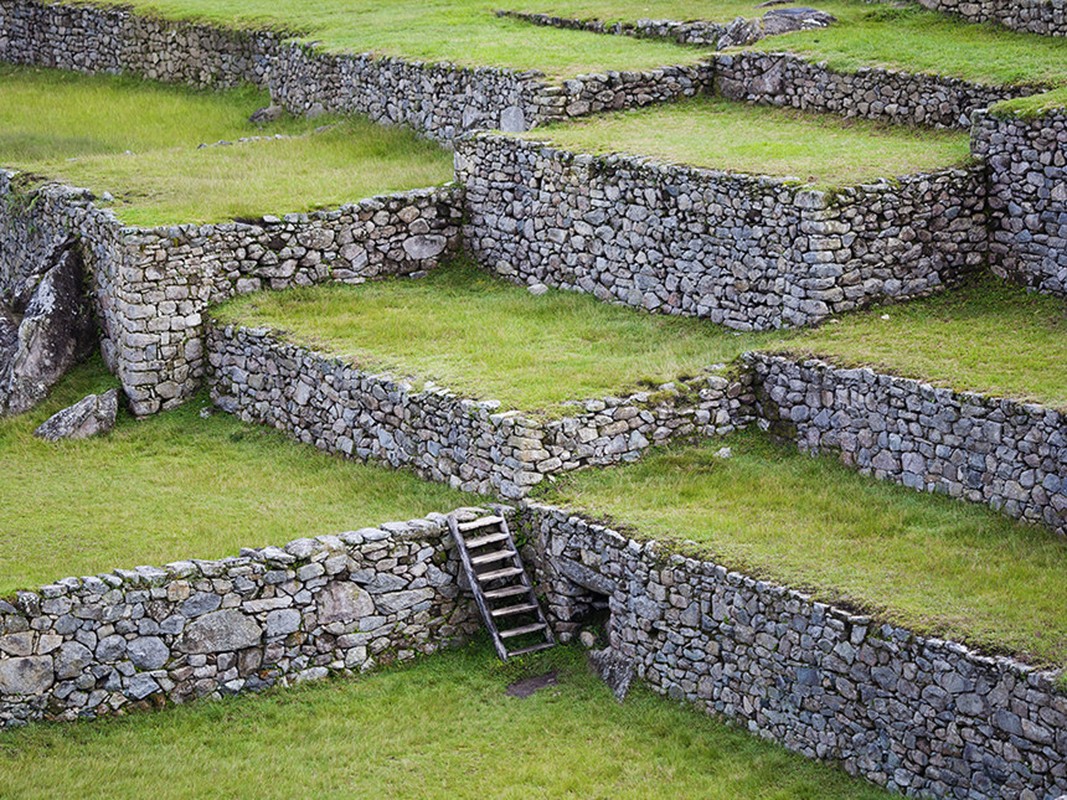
527,686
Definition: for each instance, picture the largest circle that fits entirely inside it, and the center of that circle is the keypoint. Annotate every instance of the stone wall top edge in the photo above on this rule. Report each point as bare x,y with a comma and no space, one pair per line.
945,80
432,526
492,410
919,386
1041,678
651,165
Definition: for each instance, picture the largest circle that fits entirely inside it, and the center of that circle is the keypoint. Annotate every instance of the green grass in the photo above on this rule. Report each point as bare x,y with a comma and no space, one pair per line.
1033,106
176,487
62,126
486,338
991,337
913,39
717,133
441,728
930,563
467,32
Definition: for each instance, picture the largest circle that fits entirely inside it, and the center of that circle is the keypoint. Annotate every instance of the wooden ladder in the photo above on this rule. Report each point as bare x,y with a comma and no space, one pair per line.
501,587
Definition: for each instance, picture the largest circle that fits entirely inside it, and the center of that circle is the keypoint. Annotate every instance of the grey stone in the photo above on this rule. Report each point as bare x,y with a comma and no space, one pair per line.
344,601
92,416
218,632
148,653
31,675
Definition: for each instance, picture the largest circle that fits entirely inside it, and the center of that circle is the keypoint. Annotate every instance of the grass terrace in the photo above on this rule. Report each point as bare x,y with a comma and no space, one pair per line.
397,733
486,338
62,126
468,32
991,337
176,487
721,134
926,562
465,32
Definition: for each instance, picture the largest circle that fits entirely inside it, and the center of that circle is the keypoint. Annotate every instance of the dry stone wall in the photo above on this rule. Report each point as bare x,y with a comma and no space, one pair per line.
152,286
91,646
1048,17
783,79
743,251
1012,456
921,716
471,444
1027,161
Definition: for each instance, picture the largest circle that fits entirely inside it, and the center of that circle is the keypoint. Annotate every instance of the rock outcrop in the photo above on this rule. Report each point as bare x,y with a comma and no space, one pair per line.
47,328
94,415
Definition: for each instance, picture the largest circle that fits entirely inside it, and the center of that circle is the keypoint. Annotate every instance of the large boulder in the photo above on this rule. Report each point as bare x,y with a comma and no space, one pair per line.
92,416
54,330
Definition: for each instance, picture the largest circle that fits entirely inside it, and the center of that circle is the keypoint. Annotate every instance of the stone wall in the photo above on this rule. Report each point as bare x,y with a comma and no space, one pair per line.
335,604
921,716
152,286
1048,17
1027,161
783,79
1012,456
471,444
744,251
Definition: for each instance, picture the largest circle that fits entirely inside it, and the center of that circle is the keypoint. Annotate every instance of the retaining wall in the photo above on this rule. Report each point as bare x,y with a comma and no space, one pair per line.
747,252
1010,455
472,445
336,604
1048,17
783,79
153,285
1027,161
921,716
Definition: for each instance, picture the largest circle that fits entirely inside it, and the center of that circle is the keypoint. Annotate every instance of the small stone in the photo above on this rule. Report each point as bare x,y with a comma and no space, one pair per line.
93,415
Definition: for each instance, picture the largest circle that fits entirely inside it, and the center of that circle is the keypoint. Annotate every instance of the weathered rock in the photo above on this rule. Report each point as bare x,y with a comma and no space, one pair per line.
30,675
148,653
267,114
55,331
94,415
220,631
344,601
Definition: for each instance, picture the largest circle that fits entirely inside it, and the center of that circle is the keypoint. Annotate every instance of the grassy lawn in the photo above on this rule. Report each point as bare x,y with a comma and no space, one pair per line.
932,564
440,728
717,133
175,487
467,32
62,126
486,338
991,337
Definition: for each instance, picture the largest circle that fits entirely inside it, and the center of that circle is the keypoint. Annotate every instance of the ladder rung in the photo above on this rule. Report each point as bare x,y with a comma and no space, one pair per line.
533,648
507,572
489,538
481,522
532,628
509,611
507,591
488,558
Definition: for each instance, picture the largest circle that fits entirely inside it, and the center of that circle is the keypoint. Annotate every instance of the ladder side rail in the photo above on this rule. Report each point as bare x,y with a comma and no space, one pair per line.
479,597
